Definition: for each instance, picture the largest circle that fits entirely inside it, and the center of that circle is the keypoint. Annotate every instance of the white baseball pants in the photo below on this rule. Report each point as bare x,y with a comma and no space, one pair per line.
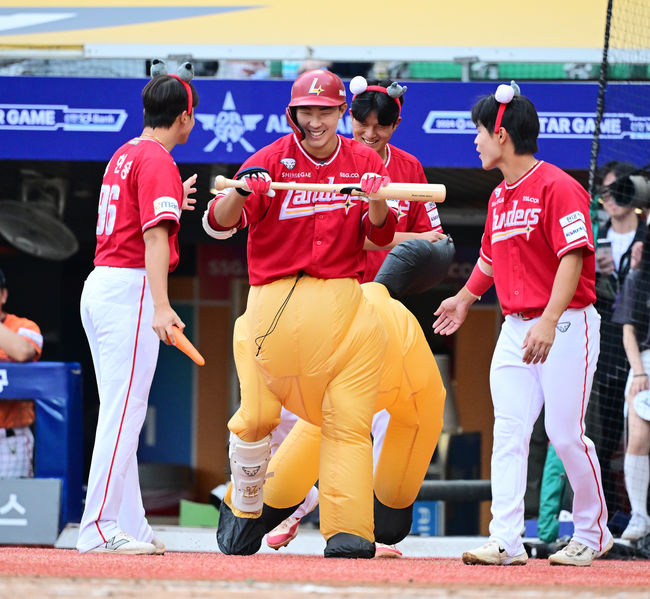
116,312
562,384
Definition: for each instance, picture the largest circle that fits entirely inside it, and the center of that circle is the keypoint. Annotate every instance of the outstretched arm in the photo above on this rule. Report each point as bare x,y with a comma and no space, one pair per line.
452,312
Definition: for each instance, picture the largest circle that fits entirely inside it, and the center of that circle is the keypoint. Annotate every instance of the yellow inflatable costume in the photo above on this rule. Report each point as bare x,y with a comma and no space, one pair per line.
371,356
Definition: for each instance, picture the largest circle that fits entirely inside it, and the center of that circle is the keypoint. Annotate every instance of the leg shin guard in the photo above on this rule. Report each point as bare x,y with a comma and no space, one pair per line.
248,463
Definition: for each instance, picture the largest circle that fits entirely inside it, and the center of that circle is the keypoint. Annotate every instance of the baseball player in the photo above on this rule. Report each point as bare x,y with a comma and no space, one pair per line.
125,309
411,390
537,249
309,339
376,111
20,341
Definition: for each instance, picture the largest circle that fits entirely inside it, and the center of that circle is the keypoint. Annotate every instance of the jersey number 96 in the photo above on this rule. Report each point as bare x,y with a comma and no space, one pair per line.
108,195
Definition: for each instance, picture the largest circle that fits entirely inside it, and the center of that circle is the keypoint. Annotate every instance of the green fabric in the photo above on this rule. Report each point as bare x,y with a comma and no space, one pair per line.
551,497
593,214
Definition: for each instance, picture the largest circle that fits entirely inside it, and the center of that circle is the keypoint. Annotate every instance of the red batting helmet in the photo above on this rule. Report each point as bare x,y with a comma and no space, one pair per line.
317,88
314,88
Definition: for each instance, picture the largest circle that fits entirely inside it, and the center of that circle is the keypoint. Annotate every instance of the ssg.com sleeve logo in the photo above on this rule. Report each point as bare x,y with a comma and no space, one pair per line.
50,117
229,127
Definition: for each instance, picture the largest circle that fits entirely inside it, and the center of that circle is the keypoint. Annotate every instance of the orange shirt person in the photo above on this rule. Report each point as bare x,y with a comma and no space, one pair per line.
20,341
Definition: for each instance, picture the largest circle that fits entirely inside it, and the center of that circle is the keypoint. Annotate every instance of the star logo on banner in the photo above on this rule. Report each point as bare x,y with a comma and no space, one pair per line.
229,126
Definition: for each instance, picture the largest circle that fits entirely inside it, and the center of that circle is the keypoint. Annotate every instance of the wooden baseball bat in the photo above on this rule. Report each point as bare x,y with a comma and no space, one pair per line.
412,192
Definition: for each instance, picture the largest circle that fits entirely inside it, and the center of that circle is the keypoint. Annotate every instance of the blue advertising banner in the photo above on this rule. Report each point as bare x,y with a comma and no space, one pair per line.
87,119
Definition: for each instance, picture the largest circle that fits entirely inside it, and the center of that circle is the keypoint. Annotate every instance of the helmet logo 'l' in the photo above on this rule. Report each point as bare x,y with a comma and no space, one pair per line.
313,89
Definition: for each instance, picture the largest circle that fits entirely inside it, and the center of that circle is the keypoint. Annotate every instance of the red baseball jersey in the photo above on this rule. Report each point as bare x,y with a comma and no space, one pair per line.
417,217
530,225
141,187
321,234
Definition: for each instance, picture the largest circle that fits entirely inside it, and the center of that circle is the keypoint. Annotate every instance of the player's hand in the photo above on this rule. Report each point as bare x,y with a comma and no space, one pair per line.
257,180
605,263
188,190
371,182
538,341
635,256
451,314
163,319
639,383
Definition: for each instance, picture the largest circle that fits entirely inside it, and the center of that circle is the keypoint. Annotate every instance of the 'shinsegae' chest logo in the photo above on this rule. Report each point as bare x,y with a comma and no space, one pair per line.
513,222
290,163
297,204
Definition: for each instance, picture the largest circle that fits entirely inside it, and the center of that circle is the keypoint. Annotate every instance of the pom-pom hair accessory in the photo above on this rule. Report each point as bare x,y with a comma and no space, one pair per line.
504,95
185,75
359,85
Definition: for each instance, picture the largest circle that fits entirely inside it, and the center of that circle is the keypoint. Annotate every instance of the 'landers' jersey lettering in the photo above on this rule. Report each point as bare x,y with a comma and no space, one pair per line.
515,221
306,203
531,224
141,188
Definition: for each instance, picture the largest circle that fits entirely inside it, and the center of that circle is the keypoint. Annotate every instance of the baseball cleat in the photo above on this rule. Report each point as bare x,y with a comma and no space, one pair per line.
577,554
123,544
637,528
283,533
492,554
382,550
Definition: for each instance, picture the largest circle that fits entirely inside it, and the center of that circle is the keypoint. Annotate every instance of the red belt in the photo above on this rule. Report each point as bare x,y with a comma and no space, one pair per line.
529,314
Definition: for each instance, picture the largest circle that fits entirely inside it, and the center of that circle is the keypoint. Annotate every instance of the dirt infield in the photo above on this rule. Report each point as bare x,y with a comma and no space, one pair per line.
98,588
53,573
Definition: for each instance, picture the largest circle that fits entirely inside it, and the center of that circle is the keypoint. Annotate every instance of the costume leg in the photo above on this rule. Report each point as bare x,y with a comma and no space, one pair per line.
412,389
346,496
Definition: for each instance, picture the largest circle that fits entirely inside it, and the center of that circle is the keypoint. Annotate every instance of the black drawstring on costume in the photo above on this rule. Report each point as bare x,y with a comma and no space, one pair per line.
274,323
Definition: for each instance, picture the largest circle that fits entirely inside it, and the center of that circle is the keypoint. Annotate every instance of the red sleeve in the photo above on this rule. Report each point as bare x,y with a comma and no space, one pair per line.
213,221
486,240
159,191
256,206
566,214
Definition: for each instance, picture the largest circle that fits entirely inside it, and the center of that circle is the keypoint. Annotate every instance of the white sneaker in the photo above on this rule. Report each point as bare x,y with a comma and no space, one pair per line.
637,528
159,545
577,554
491,554
123,544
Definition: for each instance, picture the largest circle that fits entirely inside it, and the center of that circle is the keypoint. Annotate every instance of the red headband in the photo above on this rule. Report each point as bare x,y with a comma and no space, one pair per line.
188,89
497,123
379,88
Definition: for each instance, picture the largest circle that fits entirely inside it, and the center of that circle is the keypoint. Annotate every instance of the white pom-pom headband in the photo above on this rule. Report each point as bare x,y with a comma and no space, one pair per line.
504,95
358,85
185,75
